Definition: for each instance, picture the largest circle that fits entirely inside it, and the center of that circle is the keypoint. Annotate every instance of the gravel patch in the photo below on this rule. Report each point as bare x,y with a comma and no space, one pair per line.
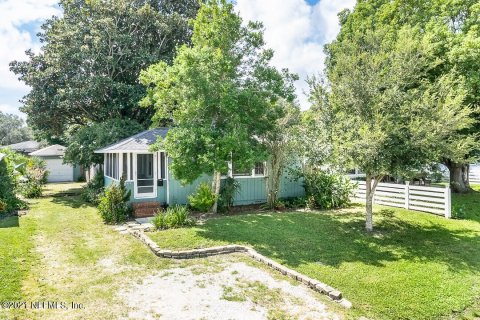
221,288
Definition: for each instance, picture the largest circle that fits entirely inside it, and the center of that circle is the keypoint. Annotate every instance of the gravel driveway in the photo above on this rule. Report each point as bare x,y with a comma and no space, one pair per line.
222,288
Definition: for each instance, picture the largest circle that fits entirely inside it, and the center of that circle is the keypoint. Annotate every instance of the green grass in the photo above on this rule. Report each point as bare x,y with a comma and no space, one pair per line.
414,266
62,251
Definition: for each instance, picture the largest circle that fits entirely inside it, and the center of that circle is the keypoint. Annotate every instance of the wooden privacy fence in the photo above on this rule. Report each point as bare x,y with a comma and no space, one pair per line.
435,200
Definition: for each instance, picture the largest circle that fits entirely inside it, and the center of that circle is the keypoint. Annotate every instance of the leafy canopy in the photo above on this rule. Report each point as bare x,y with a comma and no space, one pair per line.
13,129
220,93
91,57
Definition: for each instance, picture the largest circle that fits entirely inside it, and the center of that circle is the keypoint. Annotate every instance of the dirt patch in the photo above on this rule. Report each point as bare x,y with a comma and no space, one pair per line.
230,290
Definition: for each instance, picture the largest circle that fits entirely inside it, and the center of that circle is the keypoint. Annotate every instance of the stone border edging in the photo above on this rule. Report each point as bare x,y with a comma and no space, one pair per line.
316,285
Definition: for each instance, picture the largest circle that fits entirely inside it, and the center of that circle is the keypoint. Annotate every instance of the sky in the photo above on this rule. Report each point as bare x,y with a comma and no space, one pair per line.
295,29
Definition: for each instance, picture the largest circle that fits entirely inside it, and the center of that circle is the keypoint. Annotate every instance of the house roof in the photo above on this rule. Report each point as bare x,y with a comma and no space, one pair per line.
139,142
53,150
25,146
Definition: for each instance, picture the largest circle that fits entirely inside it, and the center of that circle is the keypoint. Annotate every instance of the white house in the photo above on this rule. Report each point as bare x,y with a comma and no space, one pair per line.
58,171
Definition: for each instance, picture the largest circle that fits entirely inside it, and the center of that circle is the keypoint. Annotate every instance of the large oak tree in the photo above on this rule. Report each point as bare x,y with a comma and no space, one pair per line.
87,72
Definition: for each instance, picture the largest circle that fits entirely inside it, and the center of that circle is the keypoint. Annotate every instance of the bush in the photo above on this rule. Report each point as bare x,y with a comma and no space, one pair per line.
228,190
294,202
3,206
326,190
203,198
34,178
174,217
94,189
114,207
10,172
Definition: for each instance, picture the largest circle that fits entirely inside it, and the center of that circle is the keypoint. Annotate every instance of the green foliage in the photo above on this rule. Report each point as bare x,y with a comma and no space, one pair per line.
3,206
92,54
174,217
94,189
220,93
114,206
203,198
294,202
86,139
327,190
13,129
34,178
459,211
12,167
230,187
450,35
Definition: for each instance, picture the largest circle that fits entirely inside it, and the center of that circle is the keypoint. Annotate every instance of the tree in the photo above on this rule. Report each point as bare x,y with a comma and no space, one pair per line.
13,129
280,143
220,93
83,142
451,30
385,114
91,58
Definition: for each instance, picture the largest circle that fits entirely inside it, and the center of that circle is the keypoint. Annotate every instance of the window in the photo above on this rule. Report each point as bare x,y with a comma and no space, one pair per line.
162,165
125,165
259,169
111,165
240,173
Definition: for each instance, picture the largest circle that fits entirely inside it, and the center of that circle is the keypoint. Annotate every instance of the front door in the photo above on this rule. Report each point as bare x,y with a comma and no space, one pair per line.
145,173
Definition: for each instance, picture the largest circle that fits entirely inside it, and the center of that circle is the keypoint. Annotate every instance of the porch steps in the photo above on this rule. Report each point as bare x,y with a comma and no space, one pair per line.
145,209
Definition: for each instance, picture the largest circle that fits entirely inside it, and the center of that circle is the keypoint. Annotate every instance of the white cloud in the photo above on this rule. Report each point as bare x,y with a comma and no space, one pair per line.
6,108
297,32
15,40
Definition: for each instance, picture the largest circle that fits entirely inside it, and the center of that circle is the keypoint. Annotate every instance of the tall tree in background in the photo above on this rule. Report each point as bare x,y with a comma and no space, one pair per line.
91,58
385,115
450,29
13,129
220,93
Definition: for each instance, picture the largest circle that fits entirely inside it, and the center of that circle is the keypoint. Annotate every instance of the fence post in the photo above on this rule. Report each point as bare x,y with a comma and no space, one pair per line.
448,202
407,195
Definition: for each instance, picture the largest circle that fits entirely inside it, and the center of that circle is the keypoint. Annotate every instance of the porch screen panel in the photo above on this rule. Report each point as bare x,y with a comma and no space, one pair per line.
162,166
145,178
125,165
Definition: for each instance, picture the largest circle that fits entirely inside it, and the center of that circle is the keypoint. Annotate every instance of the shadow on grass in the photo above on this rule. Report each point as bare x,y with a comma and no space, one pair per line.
9,222
335,238
469,203
72,201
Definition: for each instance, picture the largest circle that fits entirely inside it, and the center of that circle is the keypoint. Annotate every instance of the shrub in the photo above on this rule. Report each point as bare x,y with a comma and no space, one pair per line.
294,202
34,178
114,207
203,198
94,189
3,206
10,172
174,217
228,190
327,190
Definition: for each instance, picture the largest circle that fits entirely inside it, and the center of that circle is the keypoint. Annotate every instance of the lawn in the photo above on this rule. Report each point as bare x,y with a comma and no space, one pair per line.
414,266
62,252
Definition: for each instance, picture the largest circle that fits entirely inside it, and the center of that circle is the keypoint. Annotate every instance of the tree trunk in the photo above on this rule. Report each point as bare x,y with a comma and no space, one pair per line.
458,176
273,181
369,204
216,189
371,186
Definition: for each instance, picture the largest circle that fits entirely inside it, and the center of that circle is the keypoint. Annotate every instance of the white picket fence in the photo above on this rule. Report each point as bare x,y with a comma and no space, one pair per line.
474,174
435,200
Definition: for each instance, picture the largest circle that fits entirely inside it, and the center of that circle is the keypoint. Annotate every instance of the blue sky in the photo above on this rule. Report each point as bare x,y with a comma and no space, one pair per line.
295,29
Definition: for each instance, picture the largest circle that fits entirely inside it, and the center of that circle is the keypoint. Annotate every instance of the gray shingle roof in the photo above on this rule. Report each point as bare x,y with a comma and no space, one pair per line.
138,142
25,146
54,150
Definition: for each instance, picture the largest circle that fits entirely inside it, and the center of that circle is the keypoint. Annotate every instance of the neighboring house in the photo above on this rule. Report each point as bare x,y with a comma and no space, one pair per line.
148,177
58,171
25,147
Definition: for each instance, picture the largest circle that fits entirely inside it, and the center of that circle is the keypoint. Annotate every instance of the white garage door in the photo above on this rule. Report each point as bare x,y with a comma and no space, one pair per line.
59,172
